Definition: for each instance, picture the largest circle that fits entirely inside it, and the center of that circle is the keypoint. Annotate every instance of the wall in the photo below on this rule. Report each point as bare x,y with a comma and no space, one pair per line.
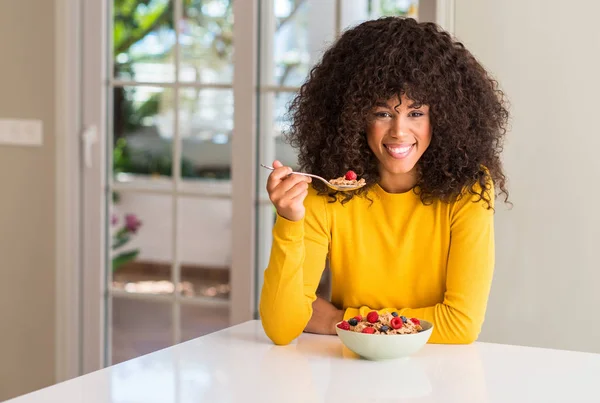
27,223
545,54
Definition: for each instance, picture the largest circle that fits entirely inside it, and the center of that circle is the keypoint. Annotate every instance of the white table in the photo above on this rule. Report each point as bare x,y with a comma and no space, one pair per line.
240,364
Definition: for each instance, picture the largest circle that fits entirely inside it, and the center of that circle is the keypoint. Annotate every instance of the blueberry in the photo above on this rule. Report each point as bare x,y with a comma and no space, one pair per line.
395,314
403,319
384,328
353,322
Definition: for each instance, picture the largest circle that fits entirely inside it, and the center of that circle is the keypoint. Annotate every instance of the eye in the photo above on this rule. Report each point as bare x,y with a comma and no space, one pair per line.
416,114
383,114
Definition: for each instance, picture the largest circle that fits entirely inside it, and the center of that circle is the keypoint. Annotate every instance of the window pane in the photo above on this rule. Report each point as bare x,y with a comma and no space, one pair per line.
206,124
278,105
407,8
143,40
139,327
274,124
142,254
206,38
204,239
356,11
199,320
299,34
143,132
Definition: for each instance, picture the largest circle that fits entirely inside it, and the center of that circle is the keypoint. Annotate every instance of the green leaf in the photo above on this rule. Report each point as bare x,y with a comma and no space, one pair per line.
120,241
122,233
134,20
123,258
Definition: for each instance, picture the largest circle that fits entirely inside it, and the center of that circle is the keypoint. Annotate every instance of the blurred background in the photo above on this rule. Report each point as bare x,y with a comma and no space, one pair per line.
137,219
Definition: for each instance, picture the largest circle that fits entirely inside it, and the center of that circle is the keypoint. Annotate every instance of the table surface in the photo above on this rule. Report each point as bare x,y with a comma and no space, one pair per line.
240,364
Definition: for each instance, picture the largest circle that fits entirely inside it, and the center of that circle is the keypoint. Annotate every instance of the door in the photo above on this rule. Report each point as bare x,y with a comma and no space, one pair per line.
167,184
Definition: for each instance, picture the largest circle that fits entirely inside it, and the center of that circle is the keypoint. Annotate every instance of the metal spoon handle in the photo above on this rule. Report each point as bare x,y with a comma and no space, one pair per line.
297,173
330,185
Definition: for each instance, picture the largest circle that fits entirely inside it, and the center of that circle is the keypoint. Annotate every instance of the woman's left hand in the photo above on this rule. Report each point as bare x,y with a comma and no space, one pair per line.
325,316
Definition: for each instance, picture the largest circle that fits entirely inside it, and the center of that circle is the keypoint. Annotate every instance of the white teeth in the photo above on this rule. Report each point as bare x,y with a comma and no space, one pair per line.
399,150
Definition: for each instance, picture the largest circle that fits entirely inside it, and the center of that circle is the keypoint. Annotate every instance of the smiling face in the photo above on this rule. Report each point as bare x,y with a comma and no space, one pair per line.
398,133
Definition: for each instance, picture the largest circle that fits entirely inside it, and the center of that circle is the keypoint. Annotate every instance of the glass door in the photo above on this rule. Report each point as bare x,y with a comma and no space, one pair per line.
170,199
159,197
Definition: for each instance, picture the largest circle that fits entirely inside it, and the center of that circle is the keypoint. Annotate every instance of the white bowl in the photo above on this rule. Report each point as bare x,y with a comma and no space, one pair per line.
383,346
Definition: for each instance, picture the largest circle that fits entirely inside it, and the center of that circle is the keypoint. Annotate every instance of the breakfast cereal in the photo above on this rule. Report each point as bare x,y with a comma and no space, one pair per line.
350,179
387,323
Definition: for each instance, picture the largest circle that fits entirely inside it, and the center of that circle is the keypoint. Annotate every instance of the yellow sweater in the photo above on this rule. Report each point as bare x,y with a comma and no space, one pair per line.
433,262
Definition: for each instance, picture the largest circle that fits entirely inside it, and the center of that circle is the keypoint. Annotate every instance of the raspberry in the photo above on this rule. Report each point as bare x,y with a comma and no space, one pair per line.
344,325
351,175
373,316
358,317
368,330
415,321
396,323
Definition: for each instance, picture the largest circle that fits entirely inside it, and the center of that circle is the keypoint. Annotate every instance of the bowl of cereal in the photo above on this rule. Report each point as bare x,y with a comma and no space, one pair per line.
383,337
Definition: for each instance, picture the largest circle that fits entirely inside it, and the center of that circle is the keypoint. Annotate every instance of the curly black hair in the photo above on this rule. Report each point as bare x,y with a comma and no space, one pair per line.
393,56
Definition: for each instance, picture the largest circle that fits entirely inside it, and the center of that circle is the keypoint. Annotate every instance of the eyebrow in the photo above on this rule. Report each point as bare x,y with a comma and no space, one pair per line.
414,105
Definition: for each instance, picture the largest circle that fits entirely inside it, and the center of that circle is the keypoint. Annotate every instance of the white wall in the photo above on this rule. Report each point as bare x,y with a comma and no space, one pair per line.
27,221
546,54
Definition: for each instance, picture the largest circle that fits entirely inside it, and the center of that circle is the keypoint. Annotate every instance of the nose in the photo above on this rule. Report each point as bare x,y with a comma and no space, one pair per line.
399,128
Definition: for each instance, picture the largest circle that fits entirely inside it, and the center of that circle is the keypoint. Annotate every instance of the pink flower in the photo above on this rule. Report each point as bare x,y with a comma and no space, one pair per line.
132,223
114,220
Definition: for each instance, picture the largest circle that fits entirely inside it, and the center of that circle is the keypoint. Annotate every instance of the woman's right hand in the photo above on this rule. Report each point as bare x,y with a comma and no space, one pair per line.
287,192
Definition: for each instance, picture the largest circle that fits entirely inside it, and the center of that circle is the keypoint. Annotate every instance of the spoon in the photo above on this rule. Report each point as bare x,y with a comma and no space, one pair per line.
340,188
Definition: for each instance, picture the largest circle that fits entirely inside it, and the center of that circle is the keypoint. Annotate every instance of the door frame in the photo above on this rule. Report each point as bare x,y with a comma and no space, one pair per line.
80,313
80,211
67,240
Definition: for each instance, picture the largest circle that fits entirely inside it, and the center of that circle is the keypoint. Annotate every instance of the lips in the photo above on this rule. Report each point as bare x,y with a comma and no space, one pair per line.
399,151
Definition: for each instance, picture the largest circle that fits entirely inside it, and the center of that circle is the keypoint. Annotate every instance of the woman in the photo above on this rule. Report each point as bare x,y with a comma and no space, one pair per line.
411,112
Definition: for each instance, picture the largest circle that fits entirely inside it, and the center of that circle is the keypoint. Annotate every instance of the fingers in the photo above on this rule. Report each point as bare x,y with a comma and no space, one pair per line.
290,187
279,173
293,199
297,190
287,191
288,183
281,177
300,198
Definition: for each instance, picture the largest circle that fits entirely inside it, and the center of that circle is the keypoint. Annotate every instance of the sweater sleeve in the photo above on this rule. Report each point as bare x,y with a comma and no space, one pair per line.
459,318
296,264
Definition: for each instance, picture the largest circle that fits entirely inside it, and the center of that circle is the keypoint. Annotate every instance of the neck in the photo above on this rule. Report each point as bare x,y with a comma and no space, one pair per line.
398,183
